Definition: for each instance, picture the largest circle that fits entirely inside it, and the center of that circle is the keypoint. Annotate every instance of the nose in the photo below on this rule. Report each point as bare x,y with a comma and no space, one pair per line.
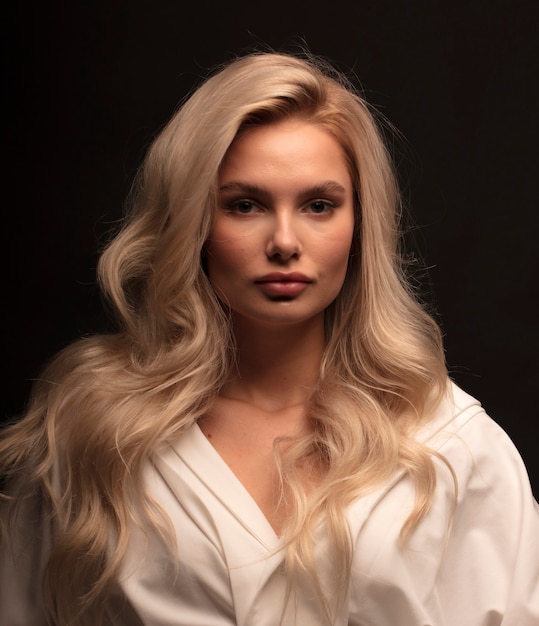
283,242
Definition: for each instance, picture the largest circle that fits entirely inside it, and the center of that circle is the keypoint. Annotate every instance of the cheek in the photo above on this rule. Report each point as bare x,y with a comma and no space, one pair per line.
335,252
224,258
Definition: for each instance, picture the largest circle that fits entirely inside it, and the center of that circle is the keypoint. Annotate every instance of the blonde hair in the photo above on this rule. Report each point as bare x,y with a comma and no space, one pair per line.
107,402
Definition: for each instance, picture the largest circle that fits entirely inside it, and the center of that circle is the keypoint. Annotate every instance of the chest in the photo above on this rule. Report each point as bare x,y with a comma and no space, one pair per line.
253,460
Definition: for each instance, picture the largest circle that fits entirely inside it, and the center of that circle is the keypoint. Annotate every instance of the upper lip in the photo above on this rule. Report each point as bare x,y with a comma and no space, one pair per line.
282,277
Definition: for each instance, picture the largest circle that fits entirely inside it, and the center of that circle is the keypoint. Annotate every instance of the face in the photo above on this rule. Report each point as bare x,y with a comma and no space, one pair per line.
280,242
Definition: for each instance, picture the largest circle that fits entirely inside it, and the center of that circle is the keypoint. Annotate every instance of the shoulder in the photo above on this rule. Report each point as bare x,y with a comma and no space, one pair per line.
475,556
477,448
474,457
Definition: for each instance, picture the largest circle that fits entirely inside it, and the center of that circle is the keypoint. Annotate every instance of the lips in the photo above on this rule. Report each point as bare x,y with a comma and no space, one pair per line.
283,284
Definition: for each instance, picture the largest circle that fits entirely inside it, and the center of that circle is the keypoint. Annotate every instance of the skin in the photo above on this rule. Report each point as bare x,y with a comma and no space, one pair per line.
285,205
286,211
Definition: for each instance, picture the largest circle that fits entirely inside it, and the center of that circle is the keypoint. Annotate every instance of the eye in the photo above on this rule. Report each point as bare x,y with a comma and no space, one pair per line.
319,207
242,207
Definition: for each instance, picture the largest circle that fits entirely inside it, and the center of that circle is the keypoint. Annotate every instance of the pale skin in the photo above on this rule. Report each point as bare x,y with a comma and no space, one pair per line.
277,256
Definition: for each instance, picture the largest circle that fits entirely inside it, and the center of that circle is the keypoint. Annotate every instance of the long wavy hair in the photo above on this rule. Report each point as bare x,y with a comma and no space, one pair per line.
105,403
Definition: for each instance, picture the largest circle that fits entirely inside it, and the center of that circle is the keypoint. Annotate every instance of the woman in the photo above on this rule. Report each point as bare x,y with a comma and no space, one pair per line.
271,436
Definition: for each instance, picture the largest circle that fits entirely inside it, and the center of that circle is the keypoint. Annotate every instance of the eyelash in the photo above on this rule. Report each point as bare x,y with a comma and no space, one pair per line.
327,205
236,205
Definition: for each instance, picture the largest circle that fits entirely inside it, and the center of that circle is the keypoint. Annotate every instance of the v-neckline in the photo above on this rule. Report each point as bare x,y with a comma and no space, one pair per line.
205,461
211,469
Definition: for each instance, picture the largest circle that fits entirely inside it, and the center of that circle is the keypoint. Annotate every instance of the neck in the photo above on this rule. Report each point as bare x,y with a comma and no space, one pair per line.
277,366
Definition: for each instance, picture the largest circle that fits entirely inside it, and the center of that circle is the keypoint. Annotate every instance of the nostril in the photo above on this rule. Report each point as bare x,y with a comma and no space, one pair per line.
283,253
284,247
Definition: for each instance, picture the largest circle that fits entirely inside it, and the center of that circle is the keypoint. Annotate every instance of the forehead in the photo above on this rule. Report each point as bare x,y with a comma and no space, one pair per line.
288,149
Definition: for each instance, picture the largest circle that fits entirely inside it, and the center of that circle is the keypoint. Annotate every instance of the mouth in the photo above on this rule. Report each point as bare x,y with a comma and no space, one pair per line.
280,284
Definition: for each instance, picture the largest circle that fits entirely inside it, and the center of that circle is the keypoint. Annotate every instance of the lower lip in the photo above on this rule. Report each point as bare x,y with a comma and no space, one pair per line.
283,288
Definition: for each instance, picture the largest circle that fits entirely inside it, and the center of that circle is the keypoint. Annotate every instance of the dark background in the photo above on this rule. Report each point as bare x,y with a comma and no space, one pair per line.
87,85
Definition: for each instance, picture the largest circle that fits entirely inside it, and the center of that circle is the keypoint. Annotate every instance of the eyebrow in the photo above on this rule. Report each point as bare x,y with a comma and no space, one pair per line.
327,186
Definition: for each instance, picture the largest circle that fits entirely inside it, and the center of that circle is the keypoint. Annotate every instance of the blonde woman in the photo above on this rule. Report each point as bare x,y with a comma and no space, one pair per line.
271,437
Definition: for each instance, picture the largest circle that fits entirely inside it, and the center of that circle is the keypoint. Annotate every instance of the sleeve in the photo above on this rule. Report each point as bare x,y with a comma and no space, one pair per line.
474,559
22,563
489,573
22,560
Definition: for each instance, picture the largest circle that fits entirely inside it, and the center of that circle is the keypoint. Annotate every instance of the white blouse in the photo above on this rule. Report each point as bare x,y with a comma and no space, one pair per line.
473,564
